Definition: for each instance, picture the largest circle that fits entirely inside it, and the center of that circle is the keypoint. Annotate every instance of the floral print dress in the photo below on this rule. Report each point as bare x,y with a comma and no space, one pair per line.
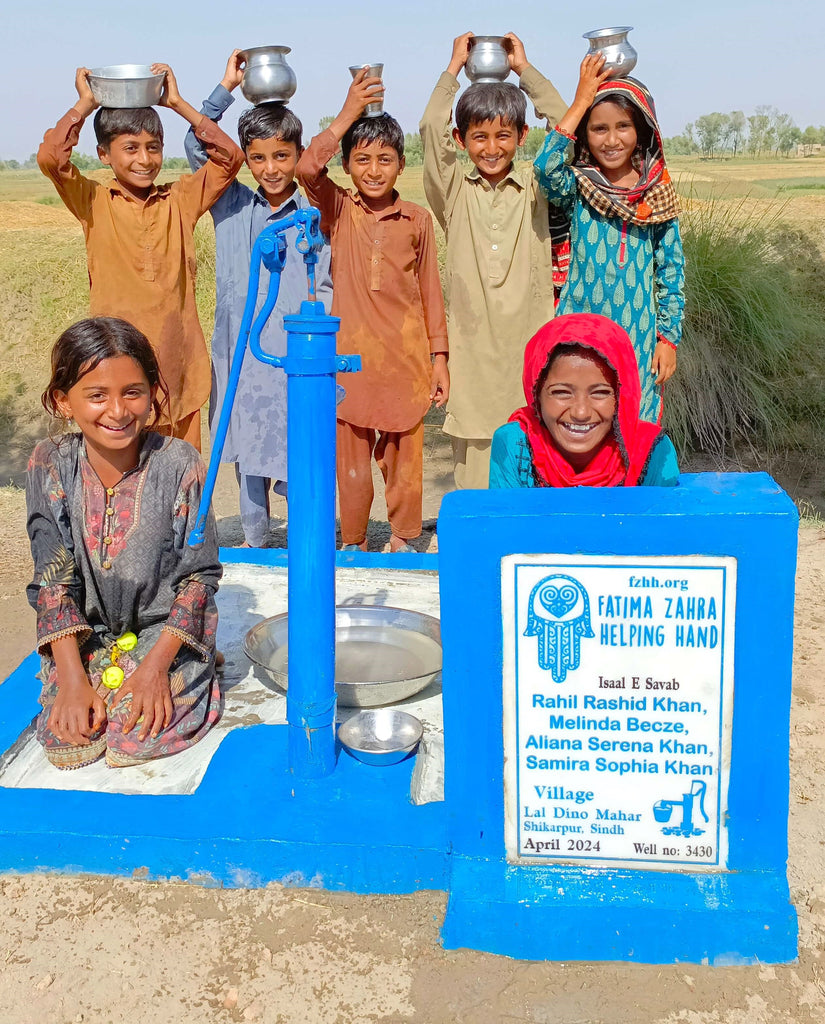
113,560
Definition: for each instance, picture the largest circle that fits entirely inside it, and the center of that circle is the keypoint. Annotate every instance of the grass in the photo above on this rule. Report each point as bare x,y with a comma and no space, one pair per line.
752,367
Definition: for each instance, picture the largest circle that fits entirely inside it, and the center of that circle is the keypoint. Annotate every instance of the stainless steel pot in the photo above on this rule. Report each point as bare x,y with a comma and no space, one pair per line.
126,85
267,77
487,60
620,57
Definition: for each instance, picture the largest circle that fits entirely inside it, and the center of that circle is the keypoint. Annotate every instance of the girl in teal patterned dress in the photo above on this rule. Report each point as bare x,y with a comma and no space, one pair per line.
626,259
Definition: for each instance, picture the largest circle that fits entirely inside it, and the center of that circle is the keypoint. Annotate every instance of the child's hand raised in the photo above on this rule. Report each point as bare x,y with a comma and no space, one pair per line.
86,102
233,76
364,89
591,75
170,97
515,52
461,51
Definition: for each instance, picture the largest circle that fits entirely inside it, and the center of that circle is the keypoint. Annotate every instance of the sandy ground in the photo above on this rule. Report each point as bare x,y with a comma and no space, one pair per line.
101,950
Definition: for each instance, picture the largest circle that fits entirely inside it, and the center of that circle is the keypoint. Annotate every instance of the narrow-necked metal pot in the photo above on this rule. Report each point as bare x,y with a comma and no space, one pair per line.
267,77
620,56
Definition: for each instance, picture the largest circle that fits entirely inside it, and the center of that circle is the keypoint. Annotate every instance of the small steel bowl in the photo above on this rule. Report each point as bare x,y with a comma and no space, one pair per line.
126,85
382,655
383,736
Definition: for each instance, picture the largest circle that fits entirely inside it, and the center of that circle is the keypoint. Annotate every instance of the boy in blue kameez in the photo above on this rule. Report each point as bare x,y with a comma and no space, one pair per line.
270,136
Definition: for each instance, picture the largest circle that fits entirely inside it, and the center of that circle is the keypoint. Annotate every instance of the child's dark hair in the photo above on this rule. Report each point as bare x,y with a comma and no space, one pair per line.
571,349
644,133
485,101
269,121
383,128
84,345
110,122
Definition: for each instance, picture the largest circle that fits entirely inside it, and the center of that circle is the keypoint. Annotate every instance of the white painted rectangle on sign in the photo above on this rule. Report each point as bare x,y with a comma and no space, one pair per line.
618,702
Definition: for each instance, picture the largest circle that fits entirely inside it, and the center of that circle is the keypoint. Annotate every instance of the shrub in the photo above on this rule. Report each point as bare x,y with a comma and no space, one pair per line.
752,360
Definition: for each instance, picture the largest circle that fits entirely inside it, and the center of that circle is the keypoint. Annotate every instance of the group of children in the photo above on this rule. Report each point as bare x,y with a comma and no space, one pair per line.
125,609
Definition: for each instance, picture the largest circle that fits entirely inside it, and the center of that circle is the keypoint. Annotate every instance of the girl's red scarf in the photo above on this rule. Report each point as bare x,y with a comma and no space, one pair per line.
623,457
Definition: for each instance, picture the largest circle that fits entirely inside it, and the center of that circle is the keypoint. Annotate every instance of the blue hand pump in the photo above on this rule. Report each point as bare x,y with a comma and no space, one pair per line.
310,364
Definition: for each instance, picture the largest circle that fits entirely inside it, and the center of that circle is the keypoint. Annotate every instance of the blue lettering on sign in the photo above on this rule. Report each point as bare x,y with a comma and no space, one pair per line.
561,764
620,607
631,635
694,608
697,636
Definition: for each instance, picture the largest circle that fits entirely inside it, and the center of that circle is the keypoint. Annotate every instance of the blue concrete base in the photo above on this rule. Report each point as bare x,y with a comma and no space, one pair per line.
558,913
249,823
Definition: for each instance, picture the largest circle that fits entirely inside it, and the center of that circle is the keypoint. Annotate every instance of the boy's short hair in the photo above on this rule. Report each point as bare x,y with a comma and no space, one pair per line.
485,101
383,128
269,121
113,121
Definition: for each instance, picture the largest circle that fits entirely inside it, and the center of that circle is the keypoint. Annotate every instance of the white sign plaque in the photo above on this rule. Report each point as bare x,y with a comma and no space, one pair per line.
618,701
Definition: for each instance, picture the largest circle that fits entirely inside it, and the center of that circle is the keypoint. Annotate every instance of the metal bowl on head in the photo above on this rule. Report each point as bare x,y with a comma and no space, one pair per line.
619,56
126,85
382,655
383,736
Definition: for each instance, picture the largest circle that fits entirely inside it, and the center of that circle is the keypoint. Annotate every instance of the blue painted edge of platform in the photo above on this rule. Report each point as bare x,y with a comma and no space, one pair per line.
721,920
421,560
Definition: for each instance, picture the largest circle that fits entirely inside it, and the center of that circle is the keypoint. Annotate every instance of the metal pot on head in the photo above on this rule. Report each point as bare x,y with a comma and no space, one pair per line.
487,60
620,56
267,77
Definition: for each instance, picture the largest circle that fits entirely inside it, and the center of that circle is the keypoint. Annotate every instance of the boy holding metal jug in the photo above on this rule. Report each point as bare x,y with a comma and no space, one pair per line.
270,136
388,295
499,263
140,237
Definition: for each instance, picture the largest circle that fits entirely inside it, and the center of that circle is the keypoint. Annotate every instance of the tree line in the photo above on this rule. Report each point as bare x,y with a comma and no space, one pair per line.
85,162
767,131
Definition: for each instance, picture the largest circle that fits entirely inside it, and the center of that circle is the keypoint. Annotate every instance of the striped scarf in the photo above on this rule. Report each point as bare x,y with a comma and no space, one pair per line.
652,200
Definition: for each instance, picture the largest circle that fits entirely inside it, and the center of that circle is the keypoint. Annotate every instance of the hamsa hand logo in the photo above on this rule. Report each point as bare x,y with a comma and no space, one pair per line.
558,613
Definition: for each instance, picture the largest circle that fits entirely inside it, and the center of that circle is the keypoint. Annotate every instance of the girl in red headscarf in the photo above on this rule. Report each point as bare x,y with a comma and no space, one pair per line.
581,424
625,250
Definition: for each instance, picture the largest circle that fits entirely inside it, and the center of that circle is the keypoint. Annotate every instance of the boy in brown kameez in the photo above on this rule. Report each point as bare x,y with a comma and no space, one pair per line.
387,291
140,237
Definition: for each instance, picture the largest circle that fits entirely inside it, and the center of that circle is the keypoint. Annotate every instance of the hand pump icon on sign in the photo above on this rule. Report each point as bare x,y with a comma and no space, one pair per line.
663,809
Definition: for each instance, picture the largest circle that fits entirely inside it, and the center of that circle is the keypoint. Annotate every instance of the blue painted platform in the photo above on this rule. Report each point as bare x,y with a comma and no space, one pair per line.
251,822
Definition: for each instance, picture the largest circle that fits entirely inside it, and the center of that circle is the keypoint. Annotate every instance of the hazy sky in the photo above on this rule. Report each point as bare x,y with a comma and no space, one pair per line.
695,56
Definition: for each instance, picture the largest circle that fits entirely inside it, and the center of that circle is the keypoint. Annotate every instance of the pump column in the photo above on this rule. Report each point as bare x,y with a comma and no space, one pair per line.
311,364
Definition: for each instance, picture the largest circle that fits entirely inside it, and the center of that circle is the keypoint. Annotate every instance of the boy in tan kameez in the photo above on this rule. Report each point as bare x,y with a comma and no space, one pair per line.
499,263
140,237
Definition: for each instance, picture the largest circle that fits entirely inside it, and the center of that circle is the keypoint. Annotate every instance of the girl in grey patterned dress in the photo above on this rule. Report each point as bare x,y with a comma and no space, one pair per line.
126,614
